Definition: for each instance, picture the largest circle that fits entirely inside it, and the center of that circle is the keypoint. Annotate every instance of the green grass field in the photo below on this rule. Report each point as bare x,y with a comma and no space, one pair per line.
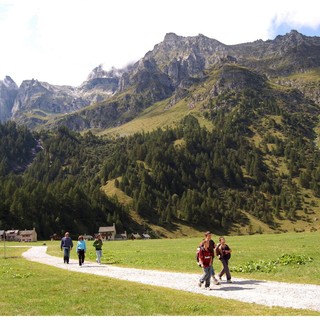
30,288
179,254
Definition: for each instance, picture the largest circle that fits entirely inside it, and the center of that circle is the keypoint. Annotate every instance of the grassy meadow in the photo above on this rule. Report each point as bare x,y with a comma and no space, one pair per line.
179,254
34,289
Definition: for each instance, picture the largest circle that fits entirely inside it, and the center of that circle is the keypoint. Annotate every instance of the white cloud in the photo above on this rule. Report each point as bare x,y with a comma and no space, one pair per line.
297,15
61,41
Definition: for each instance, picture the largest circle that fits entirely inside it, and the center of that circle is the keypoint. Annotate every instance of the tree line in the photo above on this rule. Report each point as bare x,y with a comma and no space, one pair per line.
52,180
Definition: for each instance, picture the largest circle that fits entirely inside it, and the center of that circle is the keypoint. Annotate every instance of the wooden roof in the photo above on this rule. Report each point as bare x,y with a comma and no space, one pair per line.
27,232
107,229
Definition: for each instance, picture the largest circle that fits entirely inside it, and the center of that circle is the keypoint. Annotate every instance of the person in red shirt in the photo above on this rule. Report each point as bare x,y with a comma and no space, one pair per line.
205,260
212,247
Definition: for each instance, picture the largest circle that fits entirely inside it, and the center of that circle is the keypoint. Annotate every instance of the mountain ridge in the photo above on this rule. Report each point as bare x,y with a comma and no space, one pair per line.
168,70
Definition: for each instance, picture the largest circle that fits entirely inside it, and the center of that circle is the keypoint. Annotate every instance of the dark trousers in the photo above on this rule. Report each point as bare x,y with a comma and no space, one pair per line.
81,257
225,269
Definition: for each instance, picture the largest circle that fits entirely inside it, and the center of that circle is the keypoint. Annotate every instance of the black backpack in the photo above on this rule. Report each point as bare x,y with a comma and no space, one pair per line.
197,254
225,256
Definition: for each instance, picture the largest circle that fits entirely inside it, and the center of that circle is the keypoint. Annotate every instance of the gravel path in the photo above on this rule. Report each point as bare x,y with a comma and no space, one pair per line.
269,293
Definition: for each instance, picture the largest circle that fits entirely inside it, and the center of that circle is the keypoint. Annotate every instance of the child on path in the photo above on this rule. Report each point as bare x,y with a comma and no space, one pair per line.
81,250
223,252
205,260
98,246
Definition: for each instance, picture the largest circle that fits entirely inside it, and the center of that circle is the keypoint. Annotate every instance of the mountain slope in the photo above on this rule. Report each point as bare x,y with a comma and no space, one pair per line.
205,135
111,98
178,64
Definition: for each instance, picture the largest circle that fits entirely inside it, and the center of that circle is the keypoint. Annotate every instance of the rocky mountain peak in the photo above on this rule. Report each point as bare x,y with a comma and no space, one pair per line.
171,37
174,65
9,83
293,38
100,73
8,93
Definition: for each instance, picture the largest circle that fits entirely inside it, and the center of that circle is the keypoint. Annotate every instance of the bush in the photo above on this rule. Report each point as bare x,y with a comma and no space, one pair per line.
269,266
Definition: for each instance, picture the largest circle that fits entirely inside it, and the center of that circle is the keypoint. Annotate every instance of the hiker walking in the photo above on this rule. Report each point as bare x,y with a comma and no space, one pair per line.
98,246
223,252
205,260
81,249
66,245
212,247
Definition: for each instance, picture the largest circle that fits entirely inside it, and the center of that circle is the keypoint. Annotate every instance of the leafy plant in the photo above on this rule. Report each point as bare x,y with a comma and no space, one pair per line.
269,266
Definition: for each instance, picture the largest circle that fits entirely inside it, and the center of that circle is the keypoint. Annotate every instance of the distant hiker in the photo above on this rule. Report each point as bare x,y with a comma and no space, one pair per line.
81,250
223,252
212,247
98,246
66,245
205,260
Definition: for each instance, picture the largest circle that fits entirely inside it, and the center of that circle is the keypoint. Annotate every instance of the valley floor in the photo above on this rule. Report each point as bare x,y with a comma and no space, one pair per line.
269,293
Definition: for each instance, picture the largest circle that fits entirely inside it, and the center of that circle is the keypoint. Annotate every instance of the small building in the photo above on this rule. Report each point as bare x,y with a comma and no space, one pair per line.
2,235
146,236
135,236
12,235
108,233
87,237
55,236
121,236
124,235
28,235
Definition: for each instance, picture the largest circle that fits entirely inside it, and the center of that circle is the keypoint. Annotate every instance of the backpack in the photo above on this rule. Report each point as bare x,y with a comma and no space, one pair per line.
221,253
217,251
197,255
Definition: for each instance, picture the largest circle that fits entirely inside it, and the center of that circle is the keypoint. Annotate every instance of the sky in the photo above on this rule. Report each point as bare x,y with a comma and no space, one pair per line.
61,41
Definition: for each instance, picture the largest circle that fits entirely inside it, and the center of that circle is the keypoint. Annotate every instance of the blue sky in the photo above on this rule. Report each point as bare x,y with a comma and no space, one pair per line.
61,41
285,28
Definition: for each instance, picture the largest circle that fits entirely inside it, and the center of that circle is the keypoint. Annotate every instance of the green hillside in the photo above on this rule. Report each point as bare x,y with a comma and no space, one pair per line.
266,133
195,135
234,152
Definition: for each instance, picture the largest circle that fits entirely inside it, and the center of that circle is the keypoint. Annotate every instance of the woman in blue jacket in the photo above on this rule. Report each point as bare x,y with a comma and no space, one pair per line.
81,250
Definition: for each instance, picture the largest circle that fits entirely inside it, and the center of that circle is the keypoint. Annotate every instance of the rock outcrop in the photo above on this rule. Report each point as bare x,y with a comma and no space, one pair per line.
167,71
8,93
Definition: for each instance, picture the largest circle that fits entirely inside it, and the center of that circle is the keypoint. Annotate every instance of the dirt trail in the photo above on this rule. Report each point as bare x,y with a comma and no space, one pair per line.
269,293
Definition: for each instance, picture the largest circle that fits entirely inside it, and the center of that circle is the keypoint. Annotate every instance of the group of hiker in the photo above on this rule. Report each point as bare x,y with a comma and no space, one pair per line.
205,254
206,251
81,248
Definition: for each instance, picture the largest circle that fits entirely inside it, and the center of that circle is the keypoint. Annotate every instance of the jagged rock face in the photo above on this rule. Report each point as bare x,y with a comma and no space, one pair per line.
282,56
167,71
237,78
98,89
8,93
101,85
99,73
182,58
34,96
41,98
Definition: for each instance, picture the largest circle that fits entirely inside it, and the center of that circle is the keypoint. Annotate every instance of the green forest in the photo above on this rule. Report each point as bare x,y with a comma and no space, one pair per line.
60,187
52,180
210,178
